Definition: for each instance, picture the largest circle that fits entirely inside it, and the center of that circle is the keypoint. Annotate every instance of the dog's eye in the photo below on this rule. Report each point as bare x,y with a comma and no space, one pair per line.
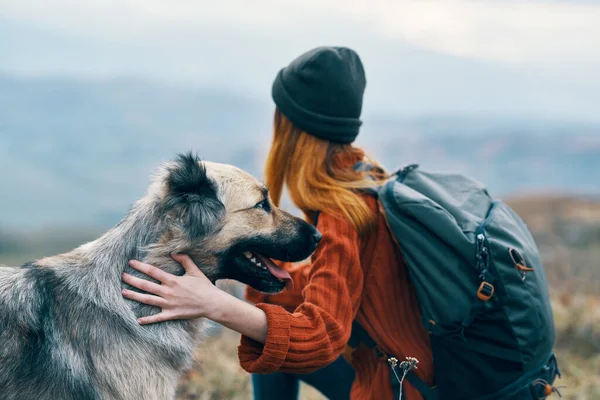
264,204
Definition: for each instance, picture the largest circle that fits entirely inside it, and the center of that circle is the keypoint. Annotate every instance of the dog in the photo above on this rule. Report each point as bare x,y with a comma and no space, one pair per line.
67,333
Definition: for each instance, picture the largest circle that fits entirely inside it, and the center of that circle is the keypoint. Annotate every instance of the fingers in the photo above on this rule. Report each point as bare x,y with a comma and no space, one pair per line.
144,285
152,319
149,270
144,298
186,262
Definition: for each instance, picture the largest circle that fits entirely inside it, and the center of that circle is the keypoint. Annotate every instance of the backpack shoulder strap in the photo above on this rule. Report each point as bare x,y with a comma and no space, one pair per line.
359,335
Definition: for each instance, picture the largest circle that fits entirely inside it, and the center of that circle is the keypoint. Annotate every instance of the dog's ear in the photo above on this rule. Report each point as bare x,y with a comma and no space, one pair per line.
193,196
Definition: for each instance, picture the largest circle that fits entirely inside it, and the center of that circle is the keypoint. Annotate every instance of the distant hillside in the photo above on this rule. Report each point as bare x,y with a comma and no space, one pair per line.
78,152
83,151
567,232
574,221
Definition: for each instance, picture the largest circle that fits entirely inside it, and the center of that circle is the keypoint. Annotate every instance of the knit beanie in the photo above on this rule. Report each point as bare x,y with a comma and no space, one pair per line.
321,92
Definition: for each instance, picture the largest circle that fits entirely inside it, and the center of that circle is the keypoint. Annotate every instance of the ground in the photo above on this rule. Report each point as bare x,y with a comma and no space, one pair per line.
218,375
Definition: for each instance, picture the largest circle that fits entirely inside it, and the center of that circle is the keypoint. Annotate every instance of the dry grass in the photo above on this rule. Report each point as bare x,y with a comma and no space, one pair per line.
578,345
218,375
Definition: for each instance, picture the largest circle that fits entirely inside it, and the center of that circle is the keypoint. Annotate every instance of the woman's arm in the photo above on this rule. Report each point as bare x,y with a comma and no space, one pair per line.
316,333
194,296
241,317
311,337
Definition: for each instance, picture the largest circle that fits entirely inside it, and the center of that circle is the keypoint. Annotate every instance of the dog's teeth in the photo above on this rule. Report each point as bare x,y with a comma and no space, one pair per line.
247,254
259,264
253,260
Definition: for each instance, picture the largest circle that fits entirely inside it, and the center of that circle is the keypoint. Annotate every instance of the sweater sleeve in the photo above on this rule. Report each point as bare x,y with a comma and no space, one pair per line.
316,333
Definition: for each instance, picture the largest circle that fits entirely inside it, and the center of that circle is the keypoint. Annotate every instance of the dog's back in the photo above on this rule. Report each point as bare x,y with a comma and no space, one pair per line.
59,340
38,359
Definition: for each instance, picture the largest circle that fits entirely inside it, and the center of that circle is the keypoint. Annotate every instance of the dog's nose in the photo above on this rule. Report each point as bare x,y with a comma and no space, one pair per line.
317,237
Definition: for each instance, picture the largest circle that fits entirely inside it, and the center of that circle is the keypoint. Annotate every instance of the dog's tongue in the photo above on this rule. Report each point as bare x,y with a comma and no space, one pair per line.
277,272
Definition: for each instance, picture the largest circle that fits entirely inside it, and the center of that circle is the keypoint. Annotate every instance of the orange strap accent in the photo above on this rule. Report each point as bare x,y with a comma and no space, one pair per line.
431,325
520,263
485,291
522,267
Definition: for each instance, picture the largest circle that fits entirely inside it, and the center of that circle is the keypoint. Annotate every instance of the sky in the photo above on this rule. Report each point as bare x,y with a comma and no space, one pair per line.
503,58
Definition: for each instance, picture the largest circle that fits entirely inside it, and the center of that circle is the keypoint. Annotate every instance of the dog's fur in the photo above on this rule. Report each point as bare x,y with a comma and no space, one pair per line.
67,333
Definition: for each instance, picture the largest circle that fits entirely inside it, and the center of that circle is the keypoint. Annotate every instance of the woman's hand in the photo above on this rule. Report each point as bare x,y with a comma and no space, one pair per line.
180,297
194,296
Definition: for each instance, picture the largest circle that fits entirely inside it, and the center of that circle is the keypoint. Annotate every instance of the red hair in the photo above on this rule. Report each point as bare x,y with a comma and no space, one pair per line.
319,175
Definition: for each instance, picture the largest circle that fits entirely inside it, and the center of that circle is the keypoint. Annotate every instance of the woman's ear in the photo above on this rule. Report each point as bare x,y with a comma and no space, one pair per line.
192,196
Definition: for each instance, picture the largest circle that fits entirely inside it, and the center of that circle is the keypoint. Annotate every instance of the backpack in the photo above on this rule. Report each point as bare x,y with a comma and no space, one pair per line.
480,284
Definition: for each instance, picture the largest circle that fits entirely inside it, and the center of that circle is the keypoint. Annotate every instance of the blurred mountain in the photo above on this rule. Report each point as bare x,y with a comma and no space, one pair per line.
80,152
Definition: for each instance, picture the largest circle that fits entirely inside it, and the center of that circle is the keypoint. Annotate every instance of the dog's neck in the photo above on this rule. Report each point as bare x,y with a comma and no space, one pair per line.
94,271
129,240
126,241
103,260
90,276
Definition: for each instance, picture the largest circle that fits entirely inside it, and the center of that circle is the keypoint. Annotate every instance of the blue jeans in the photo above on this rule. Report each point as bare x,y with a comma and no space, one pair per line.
333,381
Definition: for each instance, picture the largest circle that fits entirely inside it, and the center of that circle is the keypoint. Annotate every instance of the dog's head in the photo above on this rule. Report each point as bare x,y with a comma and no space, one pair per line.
223,219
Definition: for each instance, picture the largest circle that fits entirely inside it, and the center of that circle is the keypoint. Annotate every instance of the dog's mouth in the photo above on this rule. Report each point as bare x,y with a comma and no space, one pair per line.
263,268
252,261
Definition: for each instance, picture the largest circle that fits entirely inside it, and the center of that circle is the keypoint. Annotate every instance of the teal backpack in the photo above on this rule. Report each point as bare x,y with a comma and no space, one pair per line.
481,287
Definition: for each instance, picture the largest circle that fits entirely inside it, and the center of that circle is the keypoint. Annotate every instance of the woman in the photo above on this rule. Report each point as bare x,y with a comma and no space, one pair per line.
356,273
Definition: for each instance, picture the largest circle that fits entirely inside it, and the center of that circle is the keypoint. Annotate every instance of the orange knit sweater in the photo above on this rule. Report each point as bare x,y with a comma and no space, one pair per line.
348,277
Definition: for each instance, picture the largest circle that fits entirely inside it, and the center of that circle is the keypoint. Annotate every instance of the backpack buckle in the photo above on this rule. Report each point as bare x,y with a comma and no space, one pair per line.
485,291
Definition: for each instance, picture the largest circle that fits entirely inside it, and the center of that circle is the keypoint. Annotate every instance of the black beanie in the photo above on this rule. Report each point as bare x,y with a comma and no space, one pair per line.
321,92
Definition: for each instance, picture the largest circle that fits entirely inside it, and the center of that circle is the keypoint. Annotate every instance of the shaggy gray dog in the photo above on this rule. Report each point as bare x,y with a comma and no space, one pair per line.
66,332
